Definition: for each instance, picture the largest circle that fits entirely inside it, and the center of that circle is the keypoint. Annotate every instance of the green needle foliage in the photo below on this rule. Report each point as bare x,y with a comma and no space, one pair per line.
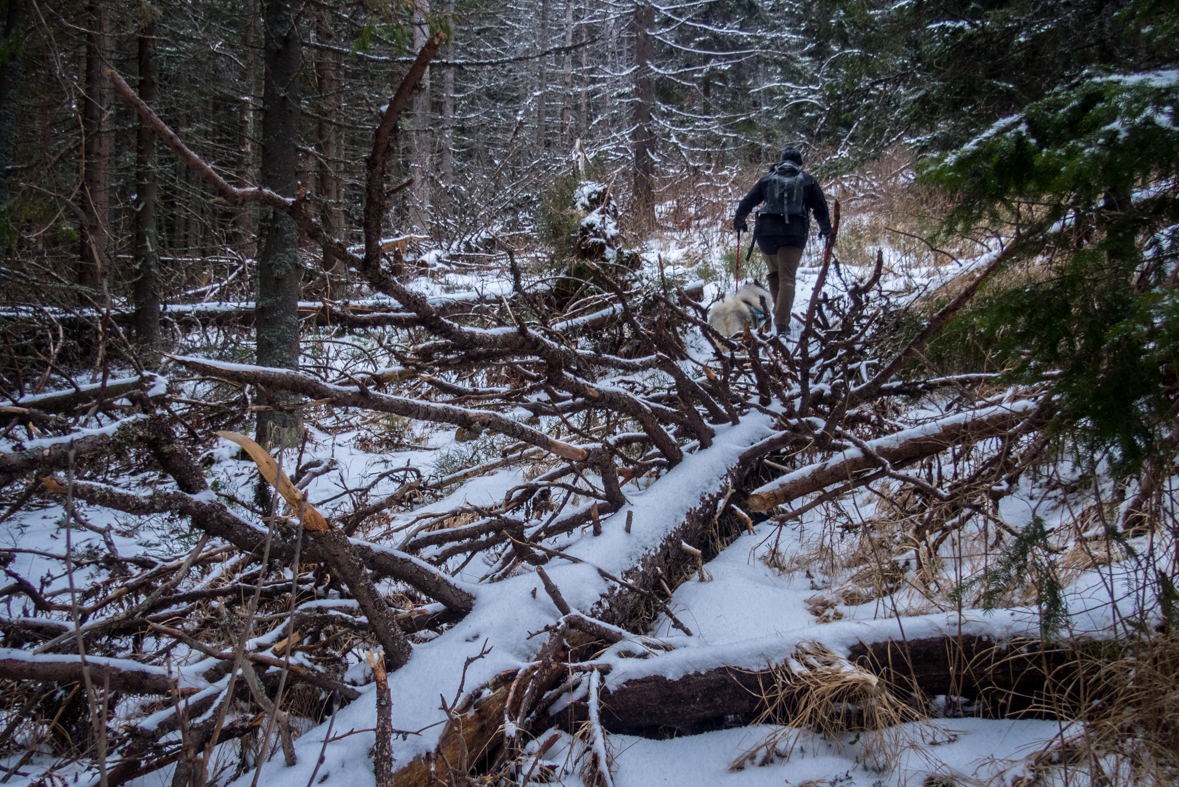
1088,178
1028,560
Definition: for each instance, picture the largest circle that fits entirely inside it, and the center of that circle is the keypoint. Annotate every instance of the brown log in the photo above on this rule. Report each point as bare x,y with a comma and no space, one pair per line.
56,455
118,674
69,401
1015,678
842,467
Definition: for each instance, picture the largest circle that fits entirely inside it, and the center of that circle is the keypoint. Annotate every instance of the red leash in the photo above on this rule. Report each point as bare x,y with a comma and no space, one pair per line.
737,267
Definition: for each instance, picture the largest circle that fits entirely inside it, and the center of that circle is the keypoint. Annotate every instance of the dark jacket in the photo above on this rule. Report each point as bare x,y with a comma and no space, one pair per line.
775,231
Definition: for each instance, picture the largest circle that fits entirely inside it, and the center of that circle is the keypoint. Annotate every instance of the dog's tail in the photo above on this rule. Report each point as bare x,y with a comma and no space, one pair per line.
730,315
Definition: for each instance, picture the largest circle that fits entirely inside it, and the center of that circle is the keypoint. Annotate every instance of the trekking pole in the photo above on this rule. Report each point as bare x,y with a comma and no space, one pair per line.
737,267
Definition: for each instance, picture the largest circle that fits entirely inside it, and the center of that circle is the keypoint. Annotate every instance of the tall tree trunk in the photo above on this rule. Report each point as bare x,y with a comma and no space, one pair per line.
542,87
644,139
95,175
328,134
419,166
443,201
146,288
567,131
243,222
583,103
280,271
12,12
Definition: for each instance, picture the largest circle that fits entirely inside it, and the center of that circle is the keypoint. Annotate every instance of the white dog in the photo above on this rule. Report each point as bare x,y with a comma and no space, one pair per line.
752,306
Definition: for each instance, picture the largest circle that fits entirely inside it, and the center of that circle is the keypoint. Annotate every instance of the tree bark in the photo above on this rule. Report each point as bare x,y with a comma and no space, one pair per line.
243,221
419,156
146,288
1002,680
124,676
95,175
644,136
10,80
280,271
328,135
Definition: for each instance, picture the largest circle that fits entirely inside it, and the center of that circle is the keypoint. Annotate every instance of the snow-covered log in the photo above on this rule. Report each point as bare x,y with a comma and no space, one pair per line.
659,562
991,679
118,674
892,451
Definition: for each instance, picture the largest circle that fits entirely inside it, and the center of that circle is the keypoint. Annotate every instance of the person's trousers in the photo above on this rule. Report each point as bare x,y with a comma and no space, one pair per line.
783,265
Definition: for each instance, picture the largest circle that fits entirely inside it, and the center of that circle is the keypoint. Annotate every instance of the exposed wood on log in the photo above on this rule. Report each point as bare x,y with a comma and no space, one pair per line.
474,731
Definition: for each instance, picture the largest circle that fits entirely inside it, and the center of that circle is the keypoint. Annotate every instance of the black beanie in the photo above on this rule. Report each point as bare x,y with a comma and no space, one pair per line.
791,154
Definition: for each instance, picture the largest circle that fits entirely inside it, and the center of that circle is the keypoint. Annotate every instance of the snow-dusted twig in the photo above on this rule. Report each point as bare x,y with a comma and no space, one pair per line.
599,757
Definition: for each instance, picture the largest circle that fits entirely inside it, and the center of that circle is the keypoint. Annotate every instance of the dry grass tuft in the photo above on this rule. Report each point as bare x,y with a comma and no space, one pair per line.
827,695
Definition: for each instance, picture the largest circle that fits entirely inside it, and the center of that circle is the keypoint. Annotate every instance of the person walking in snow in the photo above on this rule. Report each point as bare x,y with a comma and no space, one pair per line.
790,196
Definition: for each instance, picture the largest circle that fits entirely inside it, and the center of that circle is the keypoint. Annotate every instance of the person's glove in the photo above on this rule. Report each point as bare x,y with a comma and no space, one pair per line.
740,225
825,236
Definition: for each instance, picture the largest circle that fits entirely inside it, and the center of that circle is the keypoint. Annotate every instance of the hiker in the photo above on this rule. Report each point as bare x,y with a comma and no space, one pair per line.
790,195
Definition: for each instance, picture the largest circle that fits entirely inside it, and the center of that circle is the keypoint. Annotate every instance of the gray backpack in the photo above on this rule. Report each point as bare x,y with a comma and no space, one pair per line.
784,190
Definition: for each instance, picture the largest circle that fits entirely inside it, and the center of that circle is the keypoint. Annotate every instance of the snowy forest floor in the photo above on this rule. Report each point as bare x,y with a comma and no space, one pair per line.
1035,551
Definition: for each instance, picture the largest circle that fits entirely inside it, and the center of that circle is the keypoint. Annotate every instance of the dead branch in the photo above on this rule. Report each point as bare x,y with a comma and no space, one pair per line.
385,403
897,450
120,674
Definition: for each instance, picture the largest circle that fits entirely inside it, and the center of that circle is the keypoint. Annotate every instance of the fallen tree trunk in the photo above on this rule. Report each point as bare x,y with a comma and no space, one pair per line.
892,451
85,395
1019,678
118,674
627,605
56,453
